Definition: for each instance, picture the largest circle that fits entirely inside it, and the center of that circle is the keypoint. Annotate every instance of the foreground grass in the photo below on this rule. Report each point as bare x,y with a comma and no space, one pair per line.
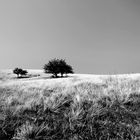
70,109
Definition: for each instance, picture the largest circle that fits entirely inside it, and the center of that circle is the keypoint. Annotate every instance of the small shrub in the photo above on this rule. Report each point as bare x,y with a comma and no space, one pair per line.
30,131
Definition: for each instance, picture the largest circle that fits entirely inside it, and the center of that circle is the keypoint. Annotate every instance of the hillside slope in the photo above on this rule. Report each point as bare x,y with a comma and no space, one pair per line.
77,107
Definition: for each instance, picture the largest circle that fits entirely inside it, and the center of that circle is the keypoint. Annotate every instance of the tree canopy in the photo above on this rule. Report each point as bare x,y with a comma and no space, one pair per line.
20,72
58,66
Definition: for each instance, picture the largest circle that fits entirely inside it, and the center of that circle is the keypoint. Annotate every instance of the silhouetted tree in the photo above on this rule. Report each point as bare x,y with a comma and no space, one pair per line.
52,67
68,69
64,68
56,66
17,71
20,72
23,72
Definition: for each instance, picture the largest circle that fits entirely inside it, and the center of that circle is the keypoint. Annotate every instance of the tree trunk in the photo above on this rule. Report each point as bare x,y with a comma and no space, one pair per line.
55,75
61,74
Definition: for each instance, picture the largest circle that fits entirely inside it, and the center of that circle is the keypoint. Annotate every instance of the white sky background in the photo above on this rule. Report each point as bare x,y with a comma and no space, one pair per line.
94,36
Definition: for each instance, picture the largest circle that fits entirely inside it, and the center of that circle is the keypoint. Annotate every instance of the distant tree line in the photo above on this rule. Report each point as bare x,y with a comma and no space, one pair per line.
54,66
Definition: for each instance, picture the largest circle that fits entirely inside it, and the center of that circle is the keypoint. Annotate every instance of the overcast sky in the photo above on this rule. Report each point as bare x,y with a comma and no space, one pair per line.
94,36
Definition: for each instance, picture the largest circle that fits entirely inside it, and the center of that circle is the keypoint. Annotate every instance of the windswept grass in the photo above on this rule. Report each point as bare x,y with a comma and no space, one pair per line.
74,108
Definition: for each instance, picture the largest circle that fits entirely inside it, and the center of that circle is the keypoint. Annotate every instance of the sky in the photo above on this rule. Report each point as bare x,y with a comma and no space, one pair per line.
94,36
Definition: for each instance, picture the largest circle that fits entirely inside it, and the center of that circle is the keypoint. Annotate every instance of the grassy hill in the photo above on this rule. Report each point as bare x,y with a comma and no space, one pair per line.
77,107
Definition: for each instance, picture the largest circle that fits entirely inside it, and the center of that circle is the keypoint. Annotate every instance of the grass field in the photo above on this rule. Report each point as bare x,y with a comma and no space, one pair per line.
78,107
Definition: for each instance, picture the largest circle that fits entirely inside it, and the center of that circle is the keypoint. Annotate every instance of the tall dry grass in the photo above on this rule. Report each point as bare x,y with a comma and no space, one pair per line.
70,109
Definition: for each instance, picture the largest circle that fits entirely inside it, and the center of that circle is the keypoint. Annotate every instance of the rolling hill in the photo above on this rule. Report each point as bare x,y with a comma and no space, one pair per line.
77,107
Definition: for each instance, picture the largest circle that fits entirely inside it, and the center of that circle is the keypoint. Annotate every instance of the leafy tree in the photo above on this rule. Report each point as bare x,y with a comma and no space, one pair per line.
56,66
23,72
68,69
52,67
19,72
64,68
